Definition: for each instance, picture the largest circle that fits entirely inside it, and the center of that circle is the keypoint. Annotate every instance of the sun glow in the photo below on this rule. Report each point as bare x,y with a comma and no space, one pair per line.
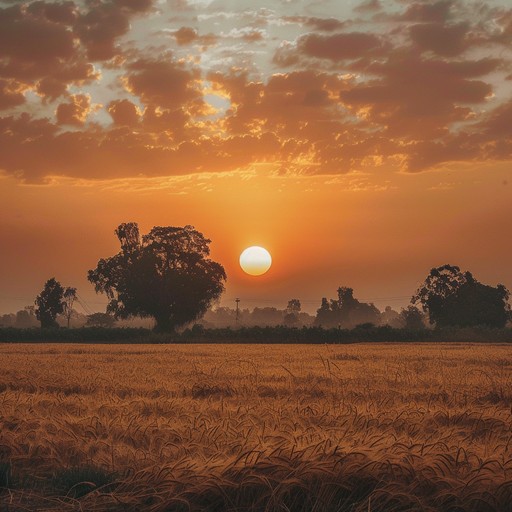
255,260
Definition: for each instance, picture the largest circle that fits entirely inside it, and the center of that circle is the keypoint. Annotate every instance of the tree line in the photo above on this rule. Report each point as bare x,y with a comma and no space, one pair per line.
167,275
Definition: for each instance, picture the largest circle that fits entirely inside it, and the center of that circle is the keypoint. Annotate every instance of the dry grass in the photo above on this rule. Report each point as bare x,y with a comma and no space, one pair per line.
375,427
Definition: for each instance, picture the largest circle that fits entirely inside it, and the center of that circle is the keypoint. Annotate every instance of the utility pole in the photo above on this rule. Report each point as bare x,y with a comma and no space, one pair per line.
237,300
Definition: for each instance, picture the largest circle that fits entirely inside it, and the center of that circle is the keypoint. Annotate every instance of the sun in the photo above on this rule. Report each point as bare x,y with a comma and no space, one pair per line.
255,260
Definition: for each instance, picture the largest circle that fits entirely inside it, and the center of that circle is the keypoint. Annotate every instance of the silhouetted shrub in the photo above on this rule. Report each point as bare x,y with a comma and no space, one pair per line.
268,335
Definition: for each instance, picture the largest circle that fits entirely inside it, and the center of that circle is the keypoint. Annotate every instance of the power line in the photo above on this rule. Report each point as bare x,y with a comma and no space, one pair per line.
30,299
3,297
84,305
316,301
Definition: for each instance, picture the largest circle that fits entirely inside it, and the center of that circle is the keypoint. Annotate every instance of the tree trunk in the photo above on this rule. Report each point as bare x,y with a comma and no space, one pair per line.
163,324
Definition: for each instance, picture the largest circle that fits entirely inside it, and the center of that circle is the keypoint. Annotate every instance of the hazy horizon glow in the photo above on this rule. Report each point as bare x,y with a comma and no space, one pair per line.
362,142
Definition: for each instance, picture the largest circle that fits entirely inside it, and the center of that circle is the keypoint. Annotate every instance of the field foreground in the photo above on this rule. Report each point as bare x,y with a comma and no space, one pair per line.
366,427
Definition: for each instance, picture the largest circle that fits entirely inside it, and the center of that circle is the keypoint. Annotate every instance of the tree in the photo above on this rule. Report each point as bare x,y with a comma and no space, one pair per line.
455,298
165,274
265,316
222,317
347,311
412,318
7,320
390,317
323,314
23,318
291,317
294,306
100,320
69,300
50,303
26,318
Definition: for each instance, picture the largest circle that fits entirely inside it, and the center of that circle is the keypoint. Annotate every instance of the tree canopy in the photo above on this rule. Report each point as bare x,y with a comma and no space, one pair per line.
165,274
455,298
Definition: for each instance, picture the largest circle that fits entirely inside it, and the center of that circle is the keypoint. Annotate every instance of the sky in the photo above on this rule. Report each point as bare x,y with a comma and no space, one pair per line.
361,142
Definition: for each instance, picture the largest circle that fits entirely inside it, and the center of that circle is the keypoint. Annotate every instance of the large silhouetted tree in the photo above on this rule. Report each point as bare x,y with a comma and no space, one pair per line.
455,298
165,274
50,303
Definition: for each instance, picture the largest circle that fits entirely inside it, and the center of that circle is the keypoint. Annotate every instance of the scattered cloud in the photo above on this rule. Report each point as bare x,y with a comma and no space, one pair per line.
185,35
322,24
368,6
336,47
124,112
121,88
445,40
437,12
75,111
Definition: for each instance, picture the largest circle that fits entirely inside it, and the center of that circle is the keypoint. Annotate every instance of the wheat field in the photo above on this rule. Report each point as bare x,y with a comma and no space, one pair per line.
363,427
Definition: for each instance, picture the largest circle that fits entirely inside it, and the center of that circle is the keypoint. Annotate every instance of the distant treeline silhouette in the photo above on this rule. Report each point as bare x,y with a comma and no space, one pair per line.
167,276
448,298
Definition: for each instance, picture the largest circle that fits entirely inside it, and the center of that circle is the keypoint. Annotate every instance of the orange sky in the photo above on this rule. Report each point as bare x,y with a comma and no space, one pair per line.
361,144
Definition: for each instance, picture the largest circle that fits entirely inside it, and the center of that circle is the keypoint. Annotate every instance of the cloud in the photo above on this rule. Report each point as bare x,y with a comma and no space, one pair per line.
419,96
124,112
185,35
74,112
37,148
368,6
441,39
291,104
322,24
498,123
11,94
339,46
437,12
106,21
37,48
335,47
503,23
248,34
188,36
51,88
41,46
162,83
27,35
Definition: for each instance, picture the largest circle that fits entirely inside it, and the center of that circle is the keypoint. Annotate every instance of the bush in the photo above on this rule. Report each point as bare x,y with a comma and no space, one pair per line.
270,335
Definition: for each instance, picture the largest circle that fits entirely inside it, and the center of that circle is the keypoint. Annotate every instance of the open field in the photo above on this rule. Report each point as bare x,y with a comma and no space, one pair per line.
365,427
